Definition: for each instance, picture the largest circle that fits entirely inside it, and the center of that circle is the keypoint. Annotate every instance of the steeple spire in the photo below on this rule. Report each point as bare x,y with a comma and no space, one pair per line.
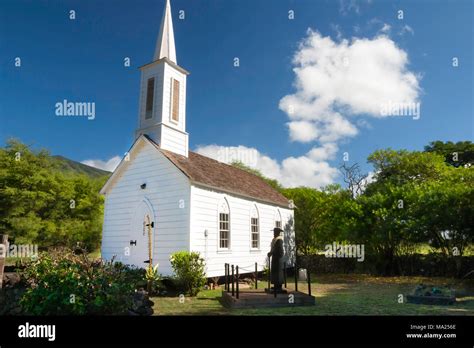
162,115
165,44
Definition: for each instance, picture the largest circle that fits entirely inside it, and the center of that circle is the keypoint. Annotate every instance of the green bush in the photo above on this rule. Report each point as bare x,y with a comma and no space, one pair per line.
189,271
62,283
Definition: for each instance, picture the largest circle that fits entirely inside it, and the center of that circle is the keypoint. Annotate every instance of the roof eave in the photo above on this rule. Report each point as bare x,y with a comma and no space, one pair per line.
166,60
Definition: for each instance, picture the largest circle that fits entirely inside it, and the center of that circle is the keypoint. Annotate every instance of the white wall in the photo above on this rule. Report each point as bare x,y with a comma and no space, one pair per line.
204,215
166,186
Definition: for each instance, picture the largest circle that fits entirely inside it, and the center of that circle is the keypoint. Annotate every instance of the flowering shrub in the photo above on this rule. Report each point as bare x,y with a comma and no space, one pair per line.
153,279
62,283
189,271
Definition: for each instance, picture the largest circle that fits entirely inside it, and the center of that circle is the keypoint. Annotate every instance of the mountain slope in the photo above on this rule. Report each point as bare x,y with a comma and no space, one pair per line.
68,165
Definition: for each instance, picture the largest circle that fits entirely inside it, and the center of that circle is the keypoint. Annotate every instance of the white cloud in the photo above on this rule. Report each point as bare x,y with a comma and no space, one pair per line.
308,170
302,131
369,179
108,165
346,6
385,28
326,152
335,80
406,29
337,30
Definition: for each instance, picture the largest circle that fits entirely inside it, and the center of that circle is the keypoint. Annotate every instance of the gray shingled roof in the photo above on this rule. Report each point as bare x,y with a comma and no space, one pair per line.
209,172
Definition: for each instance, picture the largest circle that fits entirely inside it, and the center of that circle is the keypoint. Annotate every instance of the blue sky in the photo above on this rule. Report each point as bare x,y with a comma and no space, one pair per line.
82,60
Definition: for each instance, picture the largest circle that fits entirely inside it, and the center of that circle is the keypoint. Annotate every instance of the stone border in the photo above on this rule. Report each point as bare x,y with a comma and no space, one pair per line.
431,300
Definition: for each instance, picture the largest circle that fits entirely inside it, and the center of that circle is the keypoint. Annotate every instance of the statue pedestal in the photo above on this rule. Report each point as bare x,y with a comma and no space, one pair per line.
272,291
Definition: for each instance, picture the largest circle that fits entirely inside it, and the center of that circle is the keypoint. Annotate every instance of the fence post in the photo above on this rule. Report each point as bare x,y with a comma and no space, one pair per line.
232,279
284,272
225,277
309,282
296,277
256,276
237,280
269,273
227,271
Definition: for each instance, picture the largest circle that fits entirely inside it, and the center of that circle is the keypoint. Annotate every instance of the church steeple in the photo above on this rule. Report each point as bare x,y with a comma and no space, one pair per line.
162,114
165,44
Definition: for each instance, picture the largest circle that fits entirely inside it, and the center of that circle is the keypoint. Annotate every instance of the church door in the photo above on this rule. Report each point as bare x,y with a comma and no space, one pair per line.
141,235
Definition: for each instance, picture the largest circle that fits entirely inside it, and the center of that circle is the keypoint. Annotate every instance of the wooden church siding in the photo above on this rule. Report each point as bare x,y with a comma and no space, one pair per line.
205,215
175,141
166,187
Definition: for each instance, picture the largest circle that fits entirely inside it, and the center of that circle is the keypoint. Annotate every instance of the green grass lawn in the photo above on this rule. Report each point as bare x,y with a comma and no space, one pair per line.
335,295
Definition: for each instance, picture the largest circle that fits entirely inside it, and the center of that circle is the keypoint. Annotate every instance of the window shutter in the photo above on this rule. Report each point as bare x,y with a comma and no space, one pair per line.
175,101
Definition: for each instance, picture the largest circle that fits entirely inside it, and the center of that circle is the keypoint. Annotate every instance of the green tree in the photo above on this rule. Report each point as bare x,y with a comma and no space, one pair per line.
457,154
41,204
437,199
322,216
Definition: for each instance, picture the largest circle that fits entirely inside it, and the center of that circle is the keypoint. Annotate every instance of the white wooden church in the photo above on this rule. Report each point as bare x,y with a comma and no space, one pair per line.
193,202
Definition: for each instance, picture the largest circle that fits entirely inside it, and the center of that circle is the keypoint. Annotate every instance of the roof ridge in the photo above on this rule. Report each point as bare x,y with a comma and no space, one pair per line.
241,170
234,167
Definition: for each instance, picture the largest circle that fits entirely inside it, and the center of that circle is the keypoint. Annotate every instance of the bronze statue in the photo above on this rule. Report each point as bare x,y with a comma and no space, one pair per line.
277,254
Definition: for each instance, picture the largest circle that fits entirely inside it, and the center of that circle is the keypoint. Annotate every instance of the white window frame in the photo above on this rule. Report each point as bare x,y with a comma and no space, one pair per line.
221,210
254,214
278,219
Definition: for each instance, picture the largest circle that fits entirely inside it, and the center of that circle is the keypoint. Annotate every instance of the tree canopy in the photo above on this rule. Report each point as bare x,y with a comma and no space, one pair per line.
456,154
45,205
414,198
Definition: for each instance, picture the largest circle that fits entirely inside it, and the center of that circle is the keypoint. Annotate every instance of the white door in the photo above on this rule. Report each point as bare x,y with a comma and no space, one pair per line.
139,235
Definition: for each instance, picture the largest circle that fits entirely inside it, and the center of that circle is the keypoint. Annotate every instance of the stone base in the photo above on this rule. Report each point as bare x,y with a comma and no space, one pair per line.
272,291
261,299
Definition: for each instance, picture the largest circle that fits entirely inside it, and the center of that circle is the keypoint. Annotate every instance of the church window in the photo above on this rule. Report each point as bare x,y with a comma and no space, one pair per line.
174,100
255,229
278,219
224,225
150,92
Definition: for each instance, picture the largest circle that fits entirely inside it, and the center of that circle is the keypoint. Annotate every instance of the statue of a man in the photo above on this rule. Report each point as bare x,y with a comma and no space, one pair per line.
277,254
